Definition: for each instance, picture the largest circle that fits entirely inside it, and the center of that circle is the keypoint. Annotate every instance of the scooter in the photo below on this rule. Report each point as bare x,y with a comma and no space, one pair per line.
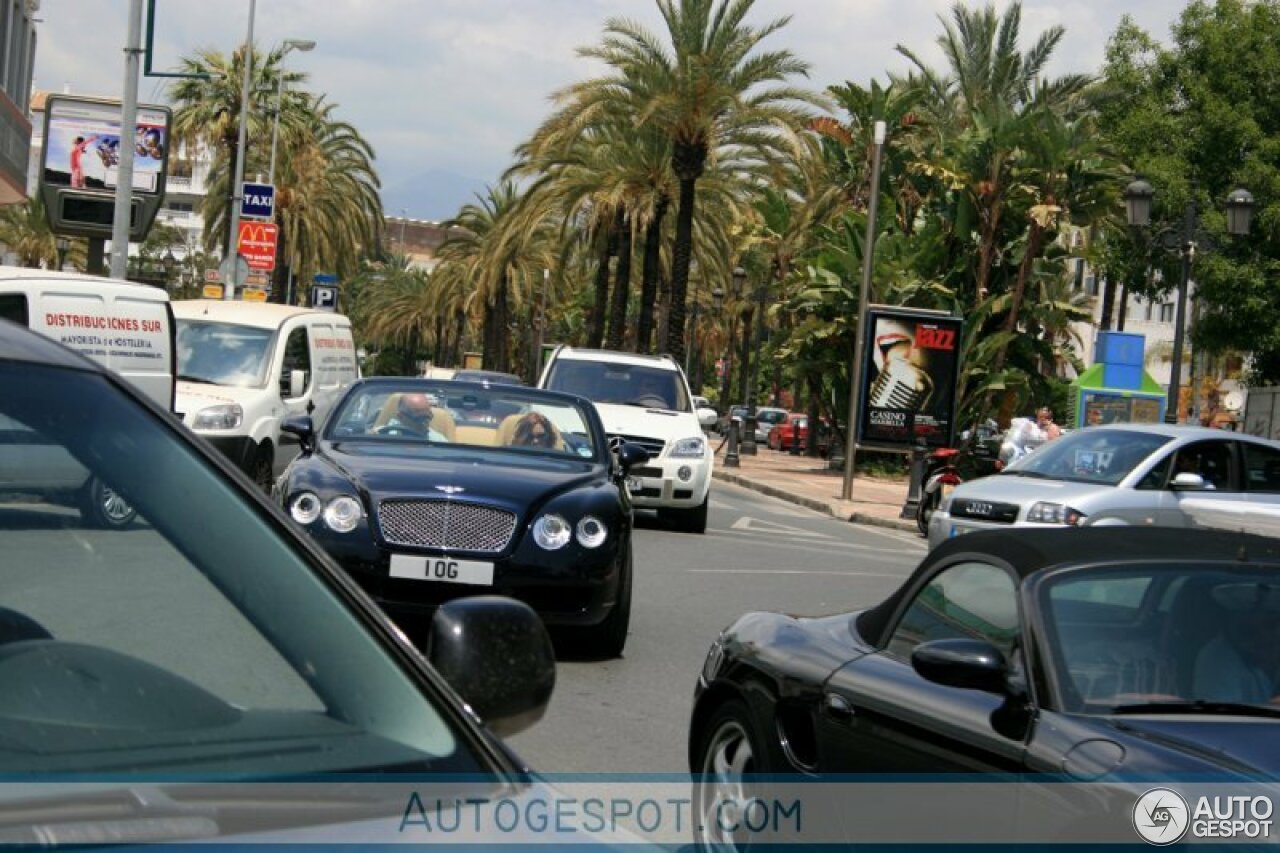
948,467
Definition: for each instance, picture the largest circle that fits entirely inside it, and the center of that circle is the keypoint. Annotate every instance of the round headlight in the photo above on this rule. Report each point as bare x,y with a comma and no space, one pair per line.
343,514
552,532
592,532
305,508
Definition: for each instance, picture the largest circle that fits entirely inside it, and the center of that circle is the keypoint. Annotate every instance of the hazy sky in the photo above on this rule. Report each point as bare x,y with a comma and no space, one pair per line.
444,89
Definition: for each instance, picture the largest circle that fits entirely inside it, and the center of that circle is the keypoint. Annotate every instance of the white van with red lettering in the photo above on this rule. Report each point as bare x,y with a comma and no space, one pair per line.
126,327
244,367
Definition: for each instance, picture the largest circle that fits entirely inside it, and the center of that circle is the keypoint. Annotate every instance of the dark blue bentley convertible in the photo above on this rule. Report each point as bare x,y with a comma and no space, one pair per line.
428,491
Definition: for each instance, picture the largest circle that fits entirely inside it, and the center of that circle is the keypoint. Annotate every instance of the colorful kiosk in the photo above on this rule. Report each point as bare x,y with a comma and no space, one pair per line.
1116,389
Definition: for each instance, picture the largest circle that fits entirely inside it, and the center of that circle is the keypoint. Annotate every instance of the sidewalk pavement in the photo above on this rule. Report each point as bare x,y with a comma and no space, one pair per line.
807,481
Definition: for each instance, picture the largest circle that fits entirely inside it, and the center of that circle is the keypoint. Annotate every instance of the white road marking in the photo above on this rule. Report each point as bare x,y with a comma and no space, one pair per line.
755,540
756,525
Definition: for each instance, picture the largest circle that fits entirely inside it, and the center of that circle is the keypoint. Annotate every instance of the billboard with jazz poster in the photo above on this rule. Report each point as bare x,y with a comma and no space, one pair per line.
910,370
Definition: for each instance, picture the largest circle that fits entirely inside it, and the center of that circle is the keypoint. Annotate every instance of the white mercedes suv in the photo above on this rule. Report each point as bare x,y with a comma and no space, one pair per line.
645,400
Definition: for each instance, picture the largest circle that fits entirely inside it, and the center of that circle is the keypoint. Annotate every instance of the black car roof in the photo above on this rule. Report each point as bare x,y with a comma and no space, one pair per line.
18,343
1030,551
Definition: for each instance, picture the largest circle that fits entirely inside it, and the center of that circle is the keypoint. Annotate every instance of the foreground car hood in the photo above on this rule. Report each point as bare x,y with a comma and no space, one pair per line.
510,481
648,423
1230,744
1009,488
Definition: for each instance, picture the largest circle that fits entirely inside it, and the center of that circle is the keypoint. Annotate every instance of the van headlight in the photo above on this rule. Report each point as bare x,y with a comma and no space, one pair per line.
1051,513
226,416
343,514
689,448
552,532
305,508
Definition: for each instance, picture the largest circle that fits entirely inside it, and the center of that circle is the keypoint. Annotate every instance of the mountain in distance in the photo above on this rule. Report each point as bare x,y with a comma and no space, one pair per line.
435,194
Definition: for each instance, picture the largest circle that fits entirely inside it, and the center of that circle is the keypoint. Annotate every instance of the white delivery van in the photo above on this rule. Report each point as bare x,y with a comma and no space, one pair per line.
124,326
244,367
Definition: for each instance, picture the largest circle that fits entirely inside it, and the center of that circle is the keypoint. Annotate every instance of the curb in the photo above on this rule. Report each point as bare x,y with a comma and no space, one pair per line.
814,504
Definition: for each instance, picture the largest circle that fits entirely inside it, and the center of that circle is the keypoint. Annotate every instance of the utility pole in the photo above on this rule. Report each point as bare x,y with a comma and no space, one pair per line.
123,213
237,187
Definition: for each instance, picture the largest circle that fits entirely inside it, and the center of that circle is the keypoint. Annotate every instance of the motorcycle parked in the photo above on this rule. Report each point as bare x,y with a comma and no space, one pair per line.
977,456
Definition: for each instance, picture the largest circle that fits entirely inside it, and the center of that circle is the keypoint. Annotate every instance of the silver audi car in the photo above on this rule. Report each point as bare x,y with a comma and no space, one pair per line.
1126,474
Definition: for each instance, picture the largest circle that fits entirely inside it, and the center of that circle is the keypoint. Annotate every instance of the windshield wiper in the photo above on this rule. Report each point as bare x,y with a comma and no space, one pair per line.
1035,475
1200,706
187,377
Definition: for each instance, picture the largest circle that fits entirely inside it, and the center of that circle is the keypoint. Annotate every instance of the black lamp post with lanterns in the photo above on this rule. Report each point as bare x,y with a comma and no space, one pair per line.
1138,197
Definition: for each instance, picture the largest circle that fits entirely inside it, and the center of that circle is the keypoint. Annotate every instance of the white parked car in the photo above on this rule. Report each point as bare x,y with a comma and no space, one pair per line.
708,417
645,400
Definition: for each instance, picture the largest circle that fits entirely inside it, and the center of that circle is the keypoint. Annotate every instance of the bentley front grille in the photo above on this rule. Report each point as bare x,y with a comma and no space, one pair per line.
446,524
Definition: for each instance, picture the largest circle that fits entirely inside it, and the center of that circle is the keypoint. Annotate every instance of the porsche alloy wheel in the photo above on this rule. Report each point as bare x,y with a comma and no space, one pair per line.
723,791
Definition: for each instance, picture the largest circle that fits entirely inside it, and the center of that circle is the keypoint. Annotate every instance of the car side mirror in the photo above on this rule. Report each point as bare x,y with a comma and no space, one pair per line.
970,664
631,455
1189,482
297,383
496,653
303,428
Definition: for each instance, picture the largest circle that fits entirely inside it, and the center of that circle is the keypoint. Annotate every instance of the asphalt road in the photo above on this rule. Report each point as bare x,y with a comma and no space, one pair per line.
631,714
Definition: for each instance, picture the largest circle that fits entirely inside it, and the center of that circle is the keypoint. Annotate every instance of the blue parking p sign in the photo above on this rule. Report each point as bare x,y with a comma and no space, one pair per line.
257,201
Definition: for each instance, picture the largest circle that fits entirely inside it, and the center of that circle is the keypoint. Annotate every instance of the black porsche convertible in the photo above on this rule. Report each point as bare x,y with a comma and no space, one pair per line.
427,491
1093,654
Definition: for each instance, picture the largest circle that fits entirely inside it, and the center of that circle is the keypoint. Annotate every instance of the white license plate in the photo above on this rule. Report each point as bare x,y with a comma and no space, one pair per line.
441,569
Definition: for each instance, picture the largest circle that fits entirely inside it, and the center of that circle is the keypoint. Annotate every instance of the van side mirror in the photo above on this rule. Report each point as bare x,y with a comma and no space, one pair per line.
303,428
297,383
496,653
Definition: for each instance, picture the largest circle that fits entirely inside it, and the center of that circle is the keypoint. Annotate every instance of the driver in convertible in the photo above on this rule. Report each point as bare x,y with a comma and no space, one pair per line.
413,418
1239,663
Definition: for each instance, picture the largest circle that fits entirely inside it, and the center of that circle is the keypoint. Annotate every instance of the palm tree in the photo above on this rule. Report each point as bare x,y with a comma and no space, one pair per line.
25,229
707,91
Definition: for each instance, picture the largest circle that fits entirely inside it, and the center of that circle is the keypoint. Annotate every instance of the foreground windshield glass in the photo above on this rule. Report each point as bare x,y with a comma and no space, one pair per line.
189,637
1092,456
1164,636
223,354
502,417
608,382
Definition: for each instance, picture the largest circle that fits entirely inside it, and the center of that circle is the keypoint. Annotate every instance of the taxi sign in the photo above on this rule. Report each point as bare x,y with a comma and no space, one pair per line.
212,291
253,294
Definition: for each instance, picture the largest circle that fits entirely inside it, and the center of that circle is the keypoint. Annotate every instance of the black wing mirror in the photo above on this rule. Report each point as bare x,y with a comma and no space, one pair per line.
496,653
971,664
303,428
631,455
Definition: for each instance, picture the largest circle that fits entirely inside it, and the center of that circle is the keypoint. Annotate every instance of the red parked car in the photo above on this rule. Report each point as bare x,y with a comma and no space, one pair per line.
784,432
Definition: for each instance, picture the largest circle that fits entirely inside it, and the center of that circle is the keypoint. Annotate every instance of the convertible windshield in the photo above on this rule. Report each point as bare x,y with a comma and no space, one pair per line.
1165,640
1103,456
223,354
625,384
504,417
155,620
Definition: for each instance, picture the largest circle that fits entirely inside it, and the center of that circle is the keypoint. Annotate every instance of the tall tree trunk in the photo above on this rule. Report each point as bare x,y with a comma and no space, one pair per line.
621,283
688,162
664,311
459,332
409,363
814,413
990,231
1124,307
437,352
1035,237
652,272
595,330
496,344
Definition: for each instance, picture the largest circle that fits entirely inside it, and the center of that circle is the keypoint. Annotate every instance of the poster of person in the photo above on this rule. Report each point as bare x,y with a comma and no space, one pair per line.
911,365
82,145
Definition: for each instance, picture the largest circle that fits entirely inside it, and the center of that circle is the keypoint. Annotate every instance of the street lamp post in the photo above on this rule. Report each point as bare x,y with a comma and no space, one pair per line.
699,364
63,245
303,45
737,282
750,420
1138,197
855,372
170,264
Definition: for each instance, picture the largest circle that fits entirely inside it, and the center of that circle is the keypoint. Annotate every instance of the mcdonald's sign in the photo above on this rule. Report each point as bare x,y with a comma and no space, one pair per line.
258,244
